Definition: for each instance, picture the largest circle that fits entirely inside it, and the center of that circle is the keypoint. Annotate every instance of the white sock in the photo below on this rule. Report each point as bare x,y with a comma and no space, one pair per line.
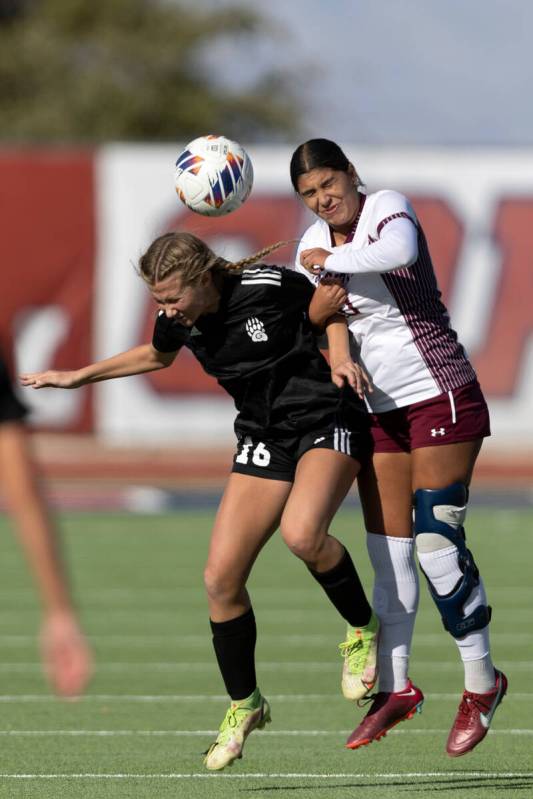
395,601
442,568
474,649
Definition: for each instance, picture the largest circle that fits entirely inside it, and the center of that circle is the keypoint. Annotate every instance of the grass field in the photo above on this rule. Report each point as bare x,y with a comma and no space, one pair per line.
157,699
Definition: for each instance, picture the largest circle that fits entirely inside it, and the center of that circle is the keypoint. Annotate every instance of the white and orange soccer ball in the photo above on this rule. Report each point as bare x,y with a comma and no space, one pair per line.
214,175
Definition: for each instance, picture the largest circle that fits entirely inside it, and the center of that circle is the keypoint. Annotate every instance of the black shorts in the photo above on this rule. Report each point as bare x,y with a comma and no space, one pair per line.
276,458
11,408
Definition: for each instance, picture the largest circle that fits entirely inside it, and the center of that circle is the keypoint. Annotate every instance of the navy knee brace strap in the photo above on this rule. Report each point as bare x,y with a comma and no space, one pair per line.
451,606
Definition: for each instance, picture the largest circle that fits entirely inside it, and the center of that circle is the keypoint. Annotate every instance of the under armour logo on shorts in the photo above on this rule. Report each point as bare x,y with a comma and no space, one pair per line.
438,431
256,329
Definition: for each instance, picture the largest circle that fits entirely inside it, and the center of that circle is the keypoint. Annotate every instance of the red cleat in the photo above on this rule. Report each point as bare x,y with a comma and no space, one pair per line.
387,710
474,716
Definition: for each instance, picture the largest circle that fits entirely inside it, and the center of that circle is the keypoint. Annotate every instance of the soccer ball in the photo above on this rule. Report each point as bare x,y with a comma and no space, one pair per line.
214,175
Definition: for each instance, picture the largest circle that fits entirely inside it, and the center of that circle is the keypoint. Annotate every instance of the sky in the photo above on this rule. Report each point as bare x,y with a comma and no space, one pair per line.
397,72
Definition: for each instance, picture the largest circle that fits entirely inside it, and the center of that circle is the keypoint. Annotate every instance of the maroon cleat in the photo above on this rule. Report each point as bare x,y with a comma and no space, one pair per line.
474,716
387,710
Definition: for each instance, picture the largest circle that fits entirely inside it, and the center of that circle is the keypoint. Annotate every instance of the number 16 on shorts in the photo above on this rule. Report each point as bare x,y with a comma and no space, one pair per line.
257,454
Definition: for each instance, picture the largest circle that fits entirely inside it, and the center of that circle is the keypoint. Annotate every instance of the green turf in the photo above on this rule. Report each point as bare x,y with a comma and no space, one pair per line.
138,580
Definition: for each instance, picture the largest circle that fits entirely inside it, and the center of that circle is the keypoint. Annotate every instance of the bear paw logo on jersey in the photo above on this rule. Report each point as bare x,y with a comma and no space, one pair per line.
256,329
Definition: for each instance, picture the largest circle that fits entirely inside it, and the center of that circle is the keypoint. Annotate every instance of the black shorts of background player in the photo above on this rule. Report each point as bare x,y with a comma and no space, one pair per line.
301,440
66,657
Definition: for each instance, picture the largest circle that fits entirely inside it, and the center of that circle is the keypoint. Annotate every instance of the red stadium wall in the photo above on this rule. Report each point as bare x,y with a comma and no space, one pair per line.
47,253
50,201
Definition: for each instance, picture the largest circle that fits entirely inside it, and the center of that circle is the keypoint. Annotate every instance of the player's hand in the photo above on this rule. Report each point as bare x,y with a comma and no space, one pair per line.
351,373
314,259
51,379
66,656
329,297
332,293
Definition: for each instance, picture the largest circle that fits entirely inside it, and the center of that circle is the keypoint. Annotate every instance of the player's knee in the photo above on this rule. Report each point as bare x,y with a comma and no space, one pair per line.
438,524
439,515
304,541
220,586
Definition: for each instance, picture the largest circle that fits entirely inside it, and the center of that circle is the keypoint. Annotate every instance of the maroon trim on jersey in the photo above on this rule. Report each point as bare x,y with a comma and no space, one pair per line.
351,234
348,308
417,295
399,215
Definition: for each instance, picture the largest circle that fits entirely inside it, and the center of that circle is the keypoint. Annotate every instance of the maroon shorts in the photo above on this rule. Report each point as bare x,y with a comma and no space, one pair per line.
457,415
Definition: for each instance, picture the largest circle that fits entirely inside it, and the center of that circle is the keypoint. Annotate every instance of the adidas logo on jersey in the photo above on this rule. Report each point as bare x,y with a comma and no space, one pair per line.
256,329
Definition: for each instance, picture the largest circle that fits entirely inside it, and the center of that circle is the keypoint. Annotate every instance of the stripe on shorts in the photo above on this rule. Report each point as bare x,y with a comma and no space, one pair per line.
452,406
341,440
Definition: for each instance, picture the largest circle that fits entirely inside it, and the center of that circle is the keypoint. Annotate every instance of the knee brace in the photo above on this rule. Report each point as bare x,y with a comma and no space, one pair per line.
438,521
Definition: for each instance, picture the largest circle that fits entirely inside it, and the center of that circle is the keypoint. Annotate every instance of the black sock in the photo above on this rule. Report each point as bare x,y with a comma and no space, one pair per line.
343,587
234,643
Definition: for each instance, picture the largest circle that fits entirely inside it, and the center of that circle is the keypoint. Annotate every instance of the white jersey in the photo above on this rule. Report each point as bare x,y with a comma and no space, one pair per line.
400,329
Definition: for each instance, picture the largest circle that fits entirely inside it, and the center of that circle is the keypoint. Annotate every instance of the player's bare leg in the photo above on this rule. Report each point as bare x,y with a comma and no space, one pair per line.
385,490
323,478
248,515
437,467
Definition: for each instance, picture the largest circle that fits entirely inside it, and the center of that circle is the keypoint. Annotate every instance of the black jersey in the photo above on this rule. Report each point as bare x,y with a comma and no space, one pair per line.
260,347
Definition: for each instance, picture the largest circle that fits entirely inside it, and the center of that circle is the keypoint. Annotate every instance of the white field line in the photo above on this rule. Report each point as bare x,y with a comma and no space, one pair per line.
264,666
163,698
183,640
194,733
105,593
413,775
285,613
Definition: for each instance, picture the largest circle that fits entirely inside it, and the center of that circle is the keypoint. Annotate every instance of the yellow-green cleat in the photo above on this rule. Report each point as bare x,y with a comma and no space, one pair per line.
360,653
241,719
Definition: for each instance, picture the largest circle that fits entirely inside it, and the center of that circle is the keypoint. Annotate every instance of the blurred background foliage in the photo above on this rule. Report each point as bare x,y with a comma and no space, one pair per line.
80,71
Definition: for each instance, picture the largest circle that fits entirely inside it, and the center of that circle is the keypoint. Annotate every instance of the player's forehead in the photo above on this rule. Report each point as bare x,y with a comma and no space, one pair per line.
171,286
315,178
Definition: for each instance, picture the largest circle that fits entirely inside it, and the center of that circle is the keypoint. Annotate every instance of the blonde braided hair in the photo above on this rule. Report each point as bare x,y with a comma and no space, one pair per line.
185,254
252,259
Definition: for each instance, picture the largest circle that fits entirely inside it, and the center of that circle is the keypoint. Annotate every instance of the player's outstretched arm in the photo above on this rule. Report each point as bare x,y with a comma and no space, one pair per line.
132,362
66,656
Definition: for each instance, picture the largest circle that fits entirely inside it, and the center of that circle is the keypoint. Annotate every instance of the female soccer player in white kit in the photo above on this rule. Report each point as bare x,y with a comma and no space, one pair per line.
429,418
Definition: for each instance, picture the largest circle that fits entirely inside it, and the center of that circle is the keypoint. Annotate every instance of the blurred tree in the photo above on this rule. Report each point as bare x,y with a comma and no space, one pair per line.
73,70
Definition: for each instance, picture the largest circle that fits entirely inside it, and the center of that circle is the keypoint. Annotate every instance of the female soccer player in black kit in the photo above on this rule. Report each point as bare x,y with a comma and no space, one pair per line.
301,440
